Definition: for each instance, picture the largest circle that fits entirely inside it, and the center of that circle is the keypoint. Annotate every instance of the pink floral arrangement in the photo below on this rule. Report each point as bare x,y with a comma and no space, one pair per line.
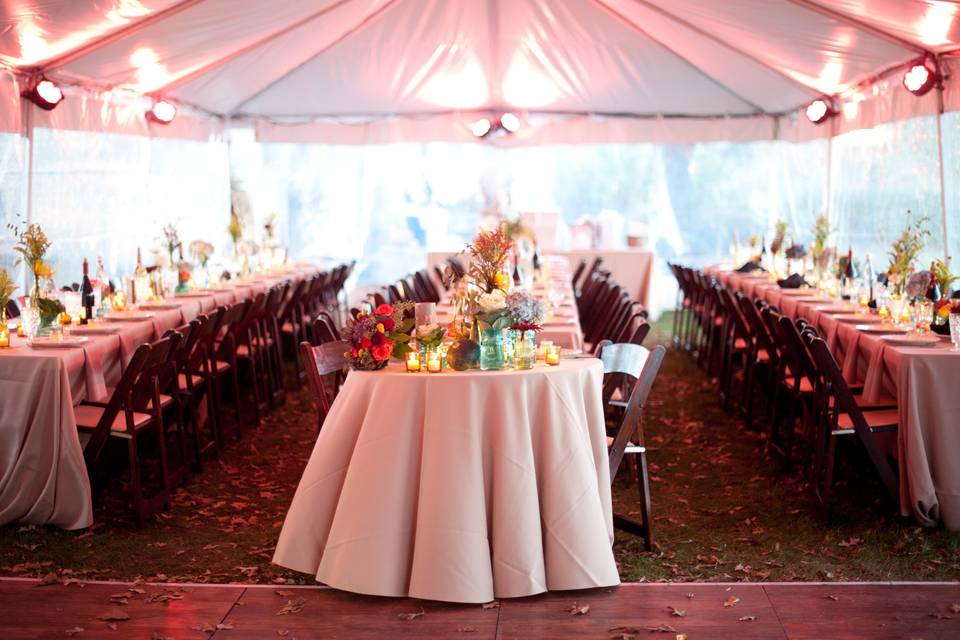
377,336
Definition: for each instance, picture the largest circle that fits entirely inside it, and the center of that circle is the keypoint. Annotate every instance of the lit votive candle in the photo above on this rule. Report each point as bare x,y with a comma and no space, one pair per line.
543,348
413,361
553,356
433,363
21,330
4,336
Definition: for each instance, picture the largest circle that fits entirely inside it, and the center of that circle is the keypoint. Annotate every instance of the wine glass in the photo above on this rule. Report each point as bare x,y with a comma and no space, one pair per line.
955,330
922,315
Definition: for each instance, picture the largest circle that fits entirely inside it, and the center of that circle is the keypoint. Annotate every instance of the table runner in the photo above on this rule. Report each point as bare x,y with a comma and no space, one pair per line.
924,383
43,478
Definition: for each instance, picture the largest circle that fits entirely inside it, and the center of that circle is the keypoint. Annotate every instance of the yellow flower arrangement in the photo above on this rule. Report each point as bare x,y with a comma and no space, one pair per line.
6,289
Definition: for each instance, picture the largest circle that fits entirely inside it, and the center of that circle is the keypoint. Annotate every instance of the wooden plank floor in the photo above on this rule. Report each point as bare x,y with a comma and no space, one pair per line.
31,610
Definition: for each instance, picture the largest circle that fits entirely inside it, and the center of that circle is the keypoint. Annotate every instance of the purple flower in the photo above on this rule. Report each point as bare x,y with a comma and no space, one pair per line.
918,283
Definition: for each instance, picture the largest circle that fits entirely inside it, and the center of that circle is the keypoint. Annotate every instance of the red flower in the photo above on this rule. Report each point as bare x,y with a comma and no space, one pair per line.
366,343
383,352
383,310
388,324
377,339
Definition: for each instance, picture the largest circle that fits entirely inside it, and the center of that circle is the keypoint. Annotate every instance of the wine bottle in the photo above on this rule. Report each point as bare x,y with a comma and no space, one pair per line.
86,294
141,281
870,276
933,289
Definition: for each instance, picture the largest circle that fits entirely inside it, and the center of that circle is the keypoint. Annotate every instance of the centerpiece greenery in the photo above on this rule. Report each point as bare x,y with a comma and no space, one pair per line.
32,244
904,252
6,294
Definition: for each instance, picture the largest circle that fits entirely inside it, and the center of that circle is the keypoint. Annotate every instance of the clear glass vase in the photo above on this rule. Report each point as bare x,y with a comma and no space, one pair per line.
524,354
491,350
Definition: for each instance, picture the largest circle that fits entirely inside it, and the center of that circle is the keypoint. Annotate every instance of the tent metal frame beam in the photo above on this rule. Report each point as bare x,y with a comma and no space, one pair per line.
346,34
859,24
630,24
219,62
813,91
113,36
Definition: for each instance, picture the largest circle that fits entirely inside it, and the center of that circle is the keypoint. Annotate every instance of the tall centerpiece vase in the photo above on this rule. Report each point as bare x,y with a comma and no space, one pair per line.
491,350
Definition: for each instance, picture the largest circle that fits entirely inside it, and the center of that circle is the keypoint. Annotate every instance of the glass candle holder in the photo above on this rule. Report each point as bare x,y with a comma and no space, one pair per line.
491,350
542,349
434,364
553,356
4,334
413,361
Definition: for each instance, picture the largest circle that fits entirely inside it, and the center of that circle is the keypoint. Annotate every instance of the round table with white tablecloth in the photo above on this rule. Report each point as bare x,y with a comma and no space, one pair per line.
458,486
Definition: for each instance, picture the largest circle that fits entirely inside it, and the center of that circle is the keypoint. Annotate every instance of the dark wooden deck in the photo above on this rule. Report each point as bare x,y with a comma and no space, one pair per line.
29,609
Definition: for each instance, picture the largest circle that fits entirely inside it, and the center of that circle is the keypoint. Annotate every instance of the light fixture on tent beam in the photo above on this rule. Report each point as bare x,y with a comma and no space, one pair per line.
508,123
161,112
921,77
45,94
820,110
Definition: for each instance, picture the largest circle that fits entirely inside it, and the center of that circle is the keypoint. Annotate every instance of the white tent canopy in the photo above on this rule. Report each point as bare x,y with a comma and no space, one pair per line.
336,70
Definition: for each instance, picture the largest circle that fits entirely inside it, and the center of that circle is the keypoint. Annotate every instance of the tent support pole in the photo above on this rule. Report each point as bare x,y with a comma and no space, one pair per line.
943,195
829,181
27,118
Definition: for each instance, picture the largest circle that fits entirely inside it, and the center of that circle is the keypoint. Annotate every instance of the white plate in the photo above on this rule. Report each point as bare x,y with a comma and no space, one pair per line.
67,342
158,307
93,330
906,341
854,318
880,329
128,316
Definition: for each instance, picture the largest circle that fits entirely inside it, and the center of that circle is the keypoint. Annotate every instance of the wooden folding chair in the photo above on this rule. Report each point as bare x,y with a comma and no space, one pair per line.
843,415
629,361
325,366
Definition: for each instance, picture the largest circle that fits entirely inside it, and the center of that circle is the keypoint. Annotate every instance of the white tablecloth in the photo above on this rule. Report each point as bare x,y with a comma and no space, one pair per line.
459,486
43,478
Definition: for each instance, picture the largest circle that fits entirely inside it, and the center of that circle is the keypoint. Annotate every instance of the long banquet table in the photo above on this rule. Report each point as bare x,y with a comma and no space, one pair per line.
43,479
458,486
923,380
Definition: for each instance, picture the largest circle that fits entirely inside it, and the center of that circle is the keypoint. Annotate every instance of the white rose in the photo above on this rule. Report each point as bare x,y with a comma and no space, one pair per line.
493,301
426,329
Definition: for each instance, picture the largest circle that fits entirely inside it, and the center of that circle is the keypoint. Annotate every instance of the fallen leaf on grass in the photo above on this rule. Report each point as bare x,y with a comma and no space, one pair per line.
732,600
115,614
746,618
292,606
676,612
411,616
578,610
73,631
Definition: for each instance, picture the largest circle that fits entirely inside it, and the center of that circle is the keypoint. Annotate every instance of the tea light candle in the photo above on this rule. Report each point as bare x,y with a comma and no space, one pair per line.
4,337
433,363
543,349
553,356
21,331
413,361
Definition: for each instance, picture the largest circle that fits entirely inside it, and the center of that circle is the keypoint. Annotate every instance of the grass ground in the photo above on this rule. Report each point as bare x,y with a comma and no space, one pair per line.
722,509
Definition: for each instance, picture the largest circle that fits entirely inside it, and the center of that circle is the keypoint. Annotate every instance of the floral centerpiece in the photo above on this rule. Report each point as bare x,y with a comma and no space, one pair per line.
32,244
943,281
6,294
481,297
819,252
201,250
526,312
430,336
377,336
903,254
235,229
172,242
